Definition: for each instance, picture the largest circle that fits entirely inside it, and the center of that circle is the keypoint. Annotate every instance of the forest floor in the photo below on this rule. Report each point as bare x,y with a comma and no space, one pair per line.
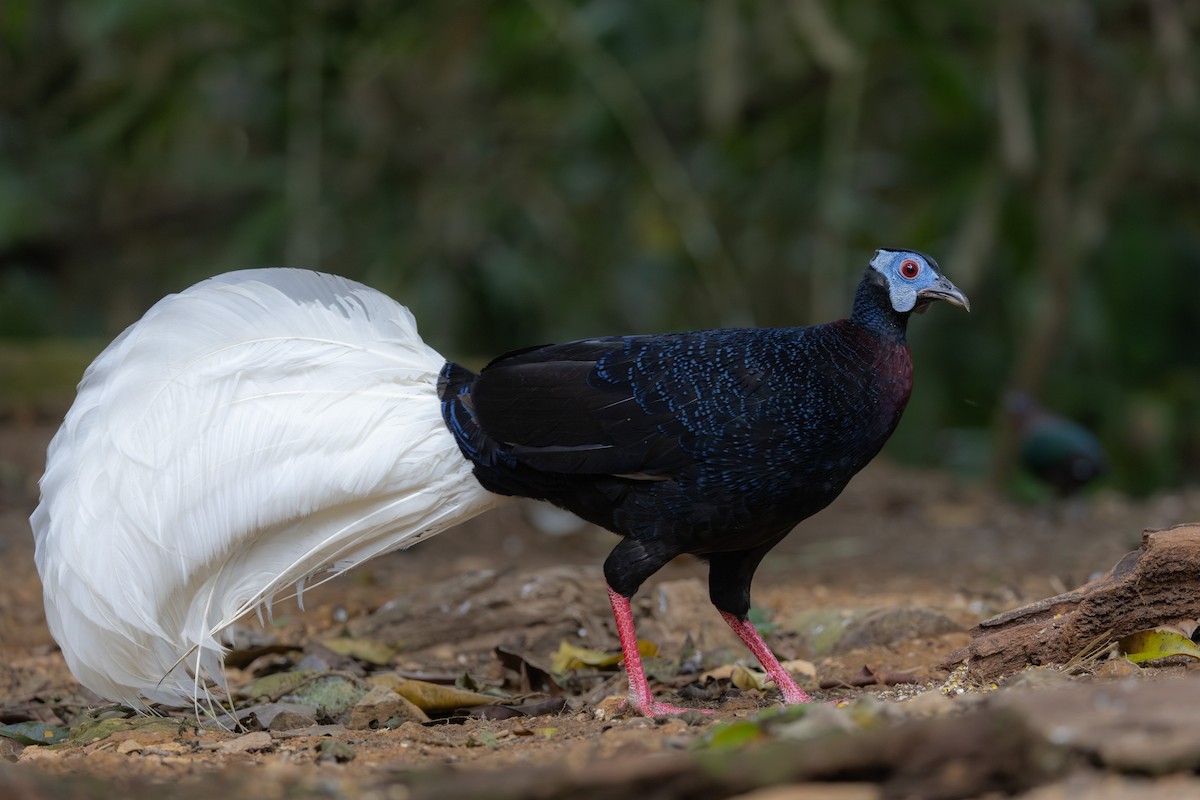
866,601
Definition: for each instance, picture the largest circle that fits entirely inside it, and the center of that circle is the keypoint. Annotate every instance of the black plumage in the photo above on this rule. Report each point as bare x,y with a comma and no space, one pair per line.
714,443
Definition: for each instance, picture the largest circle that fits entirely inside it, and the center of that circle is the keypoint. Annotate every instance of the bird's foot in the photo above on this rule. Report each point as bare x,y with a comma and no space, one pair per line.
654,708
795,696
792,694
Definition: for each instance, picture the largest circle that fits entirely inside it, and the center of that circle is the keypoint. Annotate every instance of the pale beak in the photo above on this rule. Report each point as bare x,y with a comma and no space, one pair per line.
945,290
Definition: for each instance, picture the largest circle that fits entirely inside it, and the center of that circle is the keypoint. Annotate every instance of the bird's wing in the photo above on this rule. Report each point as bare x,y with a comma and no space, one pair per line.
636,406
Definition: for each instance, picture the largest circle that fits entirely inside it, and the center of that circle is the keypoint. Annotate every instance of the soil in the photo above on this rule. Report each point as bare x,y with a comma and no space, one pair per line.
902,566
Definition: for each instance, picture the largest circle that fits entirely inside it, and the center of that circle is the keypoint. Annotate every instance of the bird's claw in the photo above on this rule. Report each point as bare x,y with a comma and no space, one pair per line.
657,709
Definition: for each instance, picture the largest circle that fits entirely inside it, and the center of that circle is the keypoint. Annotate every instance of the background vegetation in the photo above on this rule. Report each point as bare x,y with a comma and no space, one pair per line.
539,170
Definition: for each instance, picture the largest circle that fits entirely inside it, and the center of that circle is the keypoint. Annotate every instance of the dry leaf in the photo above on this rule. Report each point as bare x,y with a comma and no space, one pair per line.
1159,643
432,696
569,657
369,650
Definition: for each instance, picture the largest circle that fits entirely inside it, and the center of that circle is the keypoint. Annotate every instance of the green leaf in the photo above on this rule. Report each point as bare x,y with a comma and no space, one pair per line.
731,736
483,739
1152,645
93,730
34,733
737,734
277,684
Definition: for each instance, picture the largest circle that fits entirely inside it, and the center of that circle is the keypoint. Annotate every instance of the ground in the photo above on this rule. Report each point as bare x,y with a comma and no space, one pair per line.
867,601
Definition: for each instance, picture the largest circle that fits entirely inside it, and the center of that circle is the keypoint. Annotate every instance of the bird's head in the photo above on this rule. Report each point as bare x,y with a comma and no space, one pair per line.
913,280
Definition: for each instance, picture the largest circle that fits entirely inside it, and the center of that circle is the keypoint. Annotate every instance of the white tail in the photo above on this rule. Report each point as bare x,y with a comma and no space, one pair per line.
259,428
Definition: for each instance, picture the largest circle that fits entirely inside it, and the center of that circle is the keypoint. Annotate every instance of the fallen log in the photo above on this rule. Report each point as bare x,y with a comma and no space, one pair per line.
1158,584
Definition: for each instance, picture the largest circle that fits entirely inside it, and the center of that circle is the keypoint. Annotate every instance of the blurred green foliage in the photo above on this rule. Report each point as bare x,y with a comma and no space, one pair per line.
541,170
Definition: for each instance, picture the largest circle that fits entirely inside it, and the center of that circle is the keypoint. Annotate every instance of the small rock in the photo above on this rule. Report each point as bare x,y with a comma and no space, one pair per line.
332,695
166,749
821,720
130,746
333,750
251,742
931,703
10,749
282,716
382,705
1119,667
31,754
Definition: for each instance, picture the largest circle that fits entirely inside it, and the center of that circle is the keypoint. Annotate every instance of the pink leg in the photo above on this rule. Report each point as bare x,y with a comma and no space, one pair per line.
749,634
639,688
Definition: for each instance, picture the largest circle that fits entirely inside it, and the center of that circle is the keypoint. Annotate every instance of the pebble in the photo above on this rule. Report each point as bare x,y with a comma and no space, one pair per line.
251,742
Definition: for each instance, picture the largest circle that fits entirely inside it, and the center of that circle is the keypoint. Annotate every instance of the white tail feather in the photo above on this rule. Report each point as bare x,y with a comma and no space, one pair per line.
259,428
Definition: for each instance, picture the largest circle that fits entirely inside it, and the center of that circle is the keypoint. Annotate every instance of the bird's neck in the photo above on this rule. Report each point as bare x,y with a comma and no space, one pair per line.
873,309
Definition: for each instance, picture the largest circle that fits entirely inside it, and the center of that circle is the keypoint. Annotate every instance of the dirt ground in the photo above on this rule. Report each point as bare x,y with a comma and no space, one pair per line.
881,587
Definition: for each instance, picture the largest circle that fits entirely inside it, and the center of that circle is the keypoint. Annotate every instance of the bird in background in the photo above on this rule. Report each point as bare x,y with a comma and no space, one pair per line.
1058,451
267,427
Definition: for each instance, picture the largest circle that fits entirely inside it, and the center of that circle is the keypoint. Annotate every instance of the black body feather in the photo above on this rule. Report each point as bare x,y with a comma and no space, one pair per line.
715,443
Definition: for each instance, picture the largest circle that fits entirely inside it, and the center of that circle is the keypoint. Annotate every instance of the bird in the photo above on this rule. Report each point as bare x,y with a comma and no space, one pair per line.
267,428
1059,452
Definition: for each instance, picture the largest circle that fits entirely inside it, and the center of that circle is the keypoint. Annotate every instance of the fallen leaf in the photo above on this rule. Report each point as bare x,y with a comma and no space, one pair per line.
276,685
369,650
739,733
243,657
744,678
531,677
722,673
800,666
383,708
731,736
569,657
736,672
93,730
1159,643
331,694
432,696
33,733
533,708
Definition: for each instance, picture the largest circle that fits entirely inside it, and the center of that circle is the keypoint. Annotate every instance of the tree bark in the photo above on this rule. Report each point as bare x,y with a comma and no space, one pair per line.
1155,585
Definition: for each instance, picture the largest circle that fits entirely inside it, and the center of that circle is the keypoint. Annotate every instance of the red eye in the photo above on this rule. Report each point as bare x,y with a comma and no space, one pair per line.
909,268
